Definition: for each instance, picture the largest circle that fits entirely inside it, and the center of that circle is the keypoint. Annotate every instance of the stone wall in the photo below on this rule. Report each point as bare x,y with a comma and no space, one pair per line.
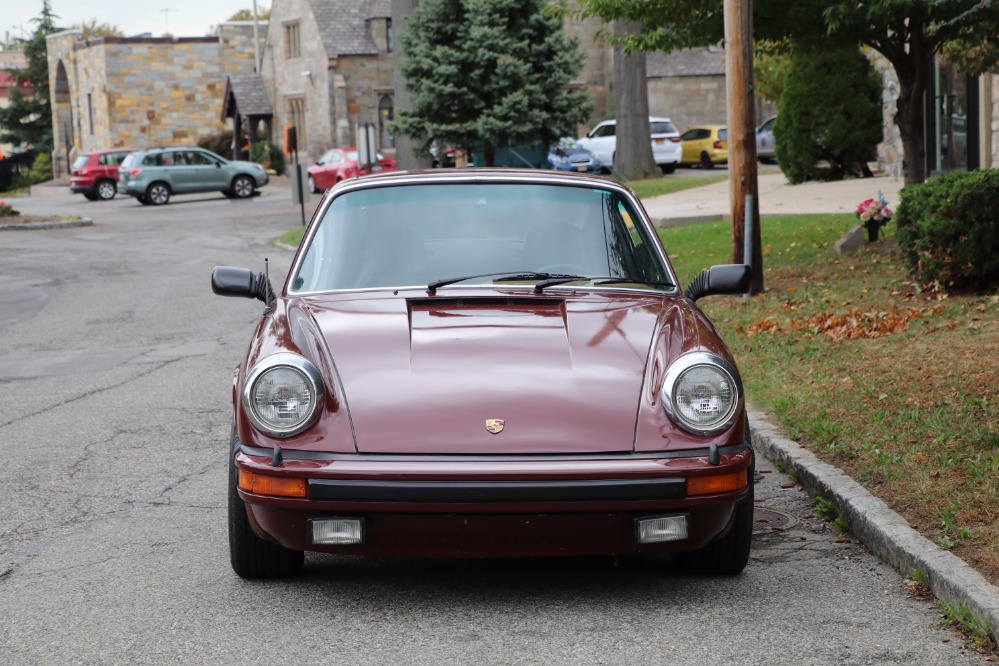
890,151
236,45
164,92
696,100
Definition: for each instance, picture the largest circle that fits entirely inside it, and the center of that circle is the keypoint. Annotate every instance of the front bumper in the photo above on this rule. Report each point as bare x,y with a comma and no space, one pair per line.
493,505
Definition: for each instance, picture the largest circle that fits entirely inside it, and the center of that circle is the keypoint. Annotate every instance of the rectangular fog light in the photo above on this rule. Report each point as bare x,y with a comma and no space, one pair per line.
336,531
657,529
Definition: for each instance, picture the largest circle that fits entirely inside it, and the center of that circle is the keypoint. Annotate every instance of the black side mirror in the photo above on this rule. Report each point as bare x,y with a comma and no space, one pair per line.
721,279
233,281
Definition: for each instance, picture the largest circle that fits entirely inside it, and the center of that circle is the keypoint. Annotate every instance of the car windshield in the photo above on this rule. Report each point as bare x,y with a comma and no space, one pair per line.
411,235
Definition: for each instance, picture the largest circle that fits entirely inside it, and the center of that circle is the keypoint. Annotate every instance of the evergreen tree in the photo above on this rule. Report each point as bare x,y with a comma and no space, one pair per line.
27,120
485,73
830,110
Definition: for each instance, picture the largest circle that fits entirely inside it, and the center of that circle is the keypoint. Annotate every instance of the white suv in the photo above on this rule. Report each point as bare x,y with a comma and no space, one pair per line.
602,142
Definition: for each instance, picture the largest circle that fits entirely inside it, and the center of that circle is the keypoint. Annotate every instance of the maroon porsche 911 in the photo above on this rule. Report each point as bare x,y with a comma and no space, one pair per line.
471,363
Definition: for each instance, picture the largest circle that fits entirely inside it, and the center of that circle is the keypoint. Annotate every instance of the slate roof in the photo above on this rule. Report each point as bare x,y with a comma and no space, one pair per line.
688,62
249,94
343,24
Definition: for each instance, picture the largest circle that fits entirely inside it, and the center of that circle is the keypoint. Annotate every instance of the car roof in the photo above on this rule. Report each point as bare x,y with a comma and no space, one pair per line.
652,119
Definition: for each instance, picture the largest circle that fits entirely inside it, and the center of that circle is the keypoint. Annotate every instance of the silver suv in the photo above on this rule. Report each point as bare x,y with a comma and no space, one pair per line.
152,176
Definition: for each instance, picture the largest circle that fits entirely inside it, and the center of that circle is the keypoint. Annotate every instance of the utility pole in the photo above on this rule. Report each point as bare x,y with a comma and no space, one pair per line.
743,187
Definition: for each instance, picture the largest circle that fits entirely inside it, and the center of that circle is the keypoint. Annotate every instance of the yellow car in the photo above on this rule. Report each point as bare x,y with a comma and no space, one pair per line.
706,145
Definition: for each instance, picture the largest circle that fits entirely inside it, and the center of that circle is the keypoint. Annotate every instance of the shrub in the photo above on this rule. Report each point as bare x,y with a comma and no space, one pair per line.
220,144
267,153
41,169
830,110
949,232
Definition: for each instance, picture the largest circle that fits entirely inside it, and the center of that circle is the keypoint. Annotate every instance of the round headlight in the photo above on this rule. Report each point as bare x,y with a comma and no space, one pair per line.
282,394
702,393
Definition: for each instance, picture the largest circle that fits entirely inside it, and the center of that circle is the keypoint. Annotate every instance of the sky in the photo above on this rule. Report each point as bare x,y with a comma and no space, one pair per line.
182,18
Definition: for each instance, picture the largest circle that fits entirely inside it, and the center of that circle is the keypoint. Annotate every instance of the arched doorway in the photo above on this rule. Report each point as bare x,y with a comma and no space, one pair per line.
64,133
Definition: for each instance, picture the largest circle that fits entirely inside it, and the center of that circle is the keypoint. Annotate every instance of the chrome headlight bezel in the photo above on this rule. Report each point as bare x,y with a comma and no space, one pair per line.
310,375
688,362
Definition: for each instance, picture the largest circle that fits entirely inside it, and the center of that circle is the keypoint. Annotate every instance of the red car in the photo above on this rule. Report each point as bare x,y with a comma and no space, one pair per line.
339,164
95,175
468,363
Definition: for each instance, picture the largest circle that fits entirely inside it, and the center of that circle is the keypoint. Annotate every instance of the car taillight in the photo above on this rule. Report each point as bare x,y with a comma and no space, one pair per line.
675,139
717,145
82,172
134,172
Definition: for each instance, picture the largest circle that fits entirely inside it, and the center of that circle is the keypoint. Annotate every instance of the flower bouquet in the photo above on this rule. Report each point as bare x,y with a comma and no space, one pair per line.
874,214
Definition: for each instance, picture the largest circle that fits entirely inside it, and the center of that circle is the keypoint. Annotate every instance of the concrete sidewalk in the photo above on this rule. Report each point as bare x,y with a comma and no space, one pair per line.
777,197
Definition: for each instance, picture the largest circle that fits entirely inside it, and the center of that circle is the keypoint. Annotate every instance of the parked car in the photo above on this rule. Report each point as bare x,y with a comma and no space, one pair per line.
339,164
602,142
568,155
153,176
765,144
94,175
706,145
486,362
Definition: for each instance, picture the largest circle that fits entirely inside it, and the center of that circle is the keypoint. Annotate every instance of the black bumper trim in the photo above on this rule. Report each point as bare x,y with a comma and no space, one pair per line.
293,454
497,491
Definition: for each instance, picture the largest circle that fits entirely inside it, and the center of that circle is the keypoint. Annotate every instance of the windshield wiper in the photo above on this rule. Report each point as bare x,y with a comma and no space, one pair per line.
505,276
651,283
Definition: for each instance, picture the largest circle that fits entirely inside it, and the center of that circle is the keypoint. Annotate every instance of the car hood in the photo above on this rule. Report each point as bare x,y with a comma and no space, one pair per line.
426,375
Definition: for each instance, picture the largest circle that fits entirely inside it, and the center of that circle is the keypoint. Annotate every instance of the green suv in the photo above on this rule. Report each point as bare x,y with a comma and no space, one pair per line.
152,176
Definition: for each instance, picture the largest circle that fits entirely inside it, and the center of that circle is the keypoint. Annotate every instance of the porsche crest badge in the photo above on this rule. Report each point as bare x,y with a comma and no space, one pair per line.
495,426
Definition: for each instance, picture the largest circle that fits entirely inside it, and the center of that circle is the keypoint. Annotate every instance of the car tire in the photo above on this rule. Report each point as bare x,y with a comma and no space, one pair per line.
158,194
242,187
726,555
706,162
668,168
312,185
251,556
90,197
106,190
142,200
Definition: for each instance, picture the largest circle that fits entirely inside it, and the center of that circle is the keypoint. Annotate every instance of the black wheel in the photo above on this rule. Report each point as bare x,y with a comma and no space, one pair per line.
251,556
312,185
106,190
242,187
706,161
158,194
668,168
142,200
227,194
729,554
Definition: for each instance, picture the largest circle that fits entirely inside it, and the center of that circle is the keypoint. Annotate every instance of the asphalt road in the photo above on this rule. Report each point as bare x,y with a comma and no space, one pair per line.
115,370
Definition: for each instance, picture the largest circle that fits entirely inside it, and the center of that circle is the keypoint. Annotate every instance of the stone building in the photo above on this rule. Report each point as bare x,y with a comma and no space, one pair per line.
327,68
140,91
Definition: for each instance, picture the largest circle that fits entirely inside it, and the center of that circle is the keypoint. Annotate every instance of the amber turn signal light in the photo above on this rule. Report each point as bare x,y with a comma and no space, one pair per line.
276,486
717,483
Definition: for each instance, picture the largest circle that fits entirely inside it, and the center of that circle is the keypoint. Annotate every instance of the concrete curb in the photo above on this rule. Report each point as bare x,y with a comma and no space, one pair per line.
882,530
54,224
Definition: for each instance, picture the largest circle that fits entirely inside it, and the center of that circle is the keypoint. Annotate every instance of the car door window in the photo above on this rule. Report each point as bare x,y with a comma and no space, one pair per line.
605,131
689,135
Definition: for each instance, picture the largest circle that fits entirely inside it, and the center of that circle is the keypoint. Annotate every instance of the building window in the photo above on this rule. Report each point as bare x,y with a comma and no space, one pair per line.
292,41
385,114
296,116
389,36
90,112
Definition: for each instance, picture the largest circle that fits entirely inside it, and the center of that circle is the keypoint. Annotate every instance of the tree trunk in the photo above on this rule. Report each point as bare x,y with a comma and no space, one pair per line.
405,153
912,70
633,155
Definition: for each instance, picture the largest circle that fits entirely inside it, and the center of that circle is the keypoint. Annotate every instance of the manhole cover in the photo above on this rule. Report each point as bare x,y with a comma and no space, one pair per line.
771,520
